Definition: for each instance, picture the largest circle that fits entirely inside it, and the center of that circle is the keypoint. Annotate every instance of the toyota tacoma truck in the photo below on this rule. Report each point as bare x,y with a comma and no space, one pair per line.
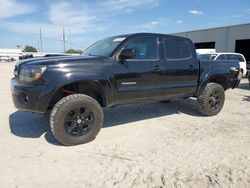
118,70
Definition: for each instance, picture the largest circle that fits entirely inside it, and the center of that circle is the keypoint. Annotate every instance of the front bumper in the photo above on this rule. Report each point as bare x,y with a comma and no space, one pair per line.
26,97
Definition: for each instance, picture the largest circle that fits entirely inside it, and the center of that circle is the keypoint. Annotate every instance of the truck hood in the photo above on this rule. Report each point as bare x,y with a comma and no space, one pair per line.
55,61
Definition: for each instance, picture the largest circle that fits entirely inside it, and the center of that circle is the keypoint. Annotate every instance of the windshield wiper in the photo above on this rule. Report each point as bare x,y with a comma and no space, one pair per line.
91,55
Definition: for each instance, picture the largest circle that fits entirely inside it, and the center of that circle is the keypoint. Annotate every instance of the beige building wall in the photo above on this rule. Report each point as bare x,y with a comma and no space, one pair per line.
224,37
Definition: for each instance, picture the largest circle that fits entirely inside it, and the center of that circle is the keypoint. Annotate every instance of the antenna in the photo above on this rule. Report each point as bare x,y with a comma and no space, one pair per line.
41,42
69,36
64,40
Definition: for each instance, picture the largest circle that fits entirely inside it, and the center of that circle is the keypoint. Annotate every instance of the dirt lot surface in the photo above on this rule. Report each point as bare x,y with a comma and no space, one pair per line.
142,145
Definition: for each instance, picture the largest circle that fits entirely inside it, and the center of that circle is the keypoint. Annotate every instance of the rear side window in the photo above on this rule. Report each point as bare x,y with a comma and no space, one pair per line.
235,57
177,49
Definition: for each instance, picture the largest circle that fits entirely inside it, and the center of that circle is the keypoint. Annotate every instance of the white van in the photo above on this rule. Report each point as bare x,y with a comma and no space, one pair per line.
226,56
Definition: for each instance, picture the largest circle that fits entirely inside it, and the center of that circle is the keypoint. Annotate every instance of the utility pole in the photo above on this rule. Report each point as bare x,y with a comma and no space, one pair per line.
64,40
69,36
41,42
38,46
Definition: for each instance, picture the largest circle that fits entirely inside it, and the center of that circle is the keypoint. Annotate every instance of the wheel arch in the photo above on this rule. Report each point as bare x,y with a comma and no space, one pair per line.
221,79
88,87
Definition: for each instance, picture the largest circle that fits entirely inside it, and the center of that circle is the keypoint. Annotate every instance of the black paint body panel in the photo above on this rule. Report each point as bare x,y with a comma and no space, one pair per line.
122,82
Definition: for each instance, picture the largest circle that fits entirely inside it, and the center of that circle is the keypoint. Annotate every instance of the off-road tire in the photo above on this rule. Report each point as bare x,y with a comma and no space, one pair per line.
61,109
204,99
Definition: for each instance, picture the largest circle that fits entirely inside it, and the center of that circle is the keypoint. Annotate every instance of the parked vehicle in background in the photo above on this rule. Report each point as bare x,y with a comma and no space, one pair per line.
227,56
6,59
25,56
123,69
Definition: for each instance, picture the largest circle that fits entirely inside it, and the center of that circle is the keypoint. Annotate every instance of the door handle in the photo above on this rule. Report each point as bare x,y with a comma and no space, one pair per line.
157,68
191,67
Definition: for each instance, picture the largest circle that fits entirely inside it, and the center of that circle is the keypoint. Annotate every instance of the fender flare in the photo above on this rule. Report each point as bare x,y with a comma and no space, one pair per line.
53,86
215,76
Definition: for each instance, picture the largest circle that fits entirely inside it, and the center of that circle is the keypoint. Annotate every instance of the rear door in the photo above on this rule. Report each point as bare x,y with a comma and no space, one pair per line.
135,78
179,67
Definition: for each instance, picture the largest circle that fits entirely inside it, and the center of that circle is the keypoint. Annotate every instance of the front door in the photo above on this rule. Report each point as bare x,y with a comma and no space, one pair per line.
135,78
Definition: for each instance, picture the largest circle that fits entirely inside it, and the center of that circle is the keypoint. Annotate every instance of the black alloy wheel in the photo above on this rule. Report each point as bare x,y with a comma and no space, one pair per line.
76,119
211,100
214,100
79,121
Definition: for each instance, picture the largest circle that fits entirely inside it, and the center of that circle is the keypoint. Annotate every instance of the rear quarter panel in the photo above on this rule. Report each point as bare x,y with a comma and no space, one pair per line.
219,71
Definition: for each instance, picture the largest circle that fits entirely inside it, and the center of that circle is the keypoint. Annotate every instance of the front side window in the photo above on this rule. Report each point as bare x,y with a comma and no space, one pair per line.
177,49
104,47
144,47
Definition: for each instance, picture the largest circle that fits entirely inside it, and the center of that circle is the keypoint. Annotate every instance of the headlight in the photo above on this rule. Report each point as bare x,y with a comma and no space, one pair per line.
31,73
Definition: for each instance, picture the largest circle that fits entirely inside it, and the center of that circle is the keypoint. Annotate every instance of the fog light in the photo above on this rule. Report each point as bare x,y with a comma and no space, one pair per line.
23,98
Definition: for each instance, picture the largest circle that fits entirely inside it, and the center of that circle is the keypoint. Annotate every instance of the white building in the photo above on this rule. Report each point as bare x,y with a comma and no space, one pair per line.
234,38
10,52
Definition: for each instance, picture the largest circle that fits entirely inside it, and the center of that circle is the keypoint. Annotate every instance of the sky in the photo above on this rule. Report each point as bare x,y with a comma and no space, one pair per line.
86,21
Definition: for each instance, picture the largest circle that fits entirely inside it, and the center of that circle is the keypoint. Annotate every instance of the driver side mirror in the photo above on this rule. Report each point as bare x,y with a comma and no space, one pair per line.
127,54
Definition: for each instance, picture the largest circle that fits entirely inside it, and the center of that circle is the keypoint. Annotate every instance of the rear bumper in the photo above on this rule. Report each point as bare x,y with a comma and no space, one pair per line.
25,96
236,81
249,75
248,71
245,72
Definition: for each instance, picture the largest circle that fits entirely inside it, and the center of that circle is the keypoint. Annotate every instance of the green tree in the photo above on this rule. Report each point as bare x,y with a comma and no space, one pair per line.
72,51
29,48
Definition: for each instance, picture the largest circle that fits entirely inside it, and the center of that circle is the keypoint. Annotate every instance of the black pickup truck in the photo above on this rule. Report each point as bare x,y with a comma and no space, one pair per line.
117,70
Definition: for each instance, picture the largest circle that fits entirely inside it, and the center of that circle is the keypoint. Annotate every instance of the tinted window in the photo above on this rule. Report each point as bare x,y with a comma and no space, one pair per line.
234,57
104,47
206,56
177,49
221,57
144,47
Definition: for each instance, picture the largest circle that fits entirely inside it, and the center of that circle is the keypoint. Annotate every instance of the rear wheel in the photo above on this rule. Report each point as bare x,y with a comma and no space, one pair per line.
76,119
211,101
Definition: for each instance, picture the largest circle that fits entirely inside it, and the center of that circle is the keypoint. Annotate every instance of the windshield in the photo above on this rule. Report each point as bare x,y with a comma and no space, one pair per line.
207,56
104,47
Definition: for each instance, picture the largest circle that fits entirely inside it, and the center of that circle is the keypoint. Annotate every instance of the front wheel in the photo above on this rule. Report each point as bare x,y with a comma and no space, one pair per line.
212,99
76,119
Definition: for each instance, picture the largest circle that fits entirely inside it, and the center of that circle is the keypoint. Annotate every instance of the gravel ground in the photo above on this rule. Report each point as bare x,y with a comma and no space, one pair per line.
142,145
